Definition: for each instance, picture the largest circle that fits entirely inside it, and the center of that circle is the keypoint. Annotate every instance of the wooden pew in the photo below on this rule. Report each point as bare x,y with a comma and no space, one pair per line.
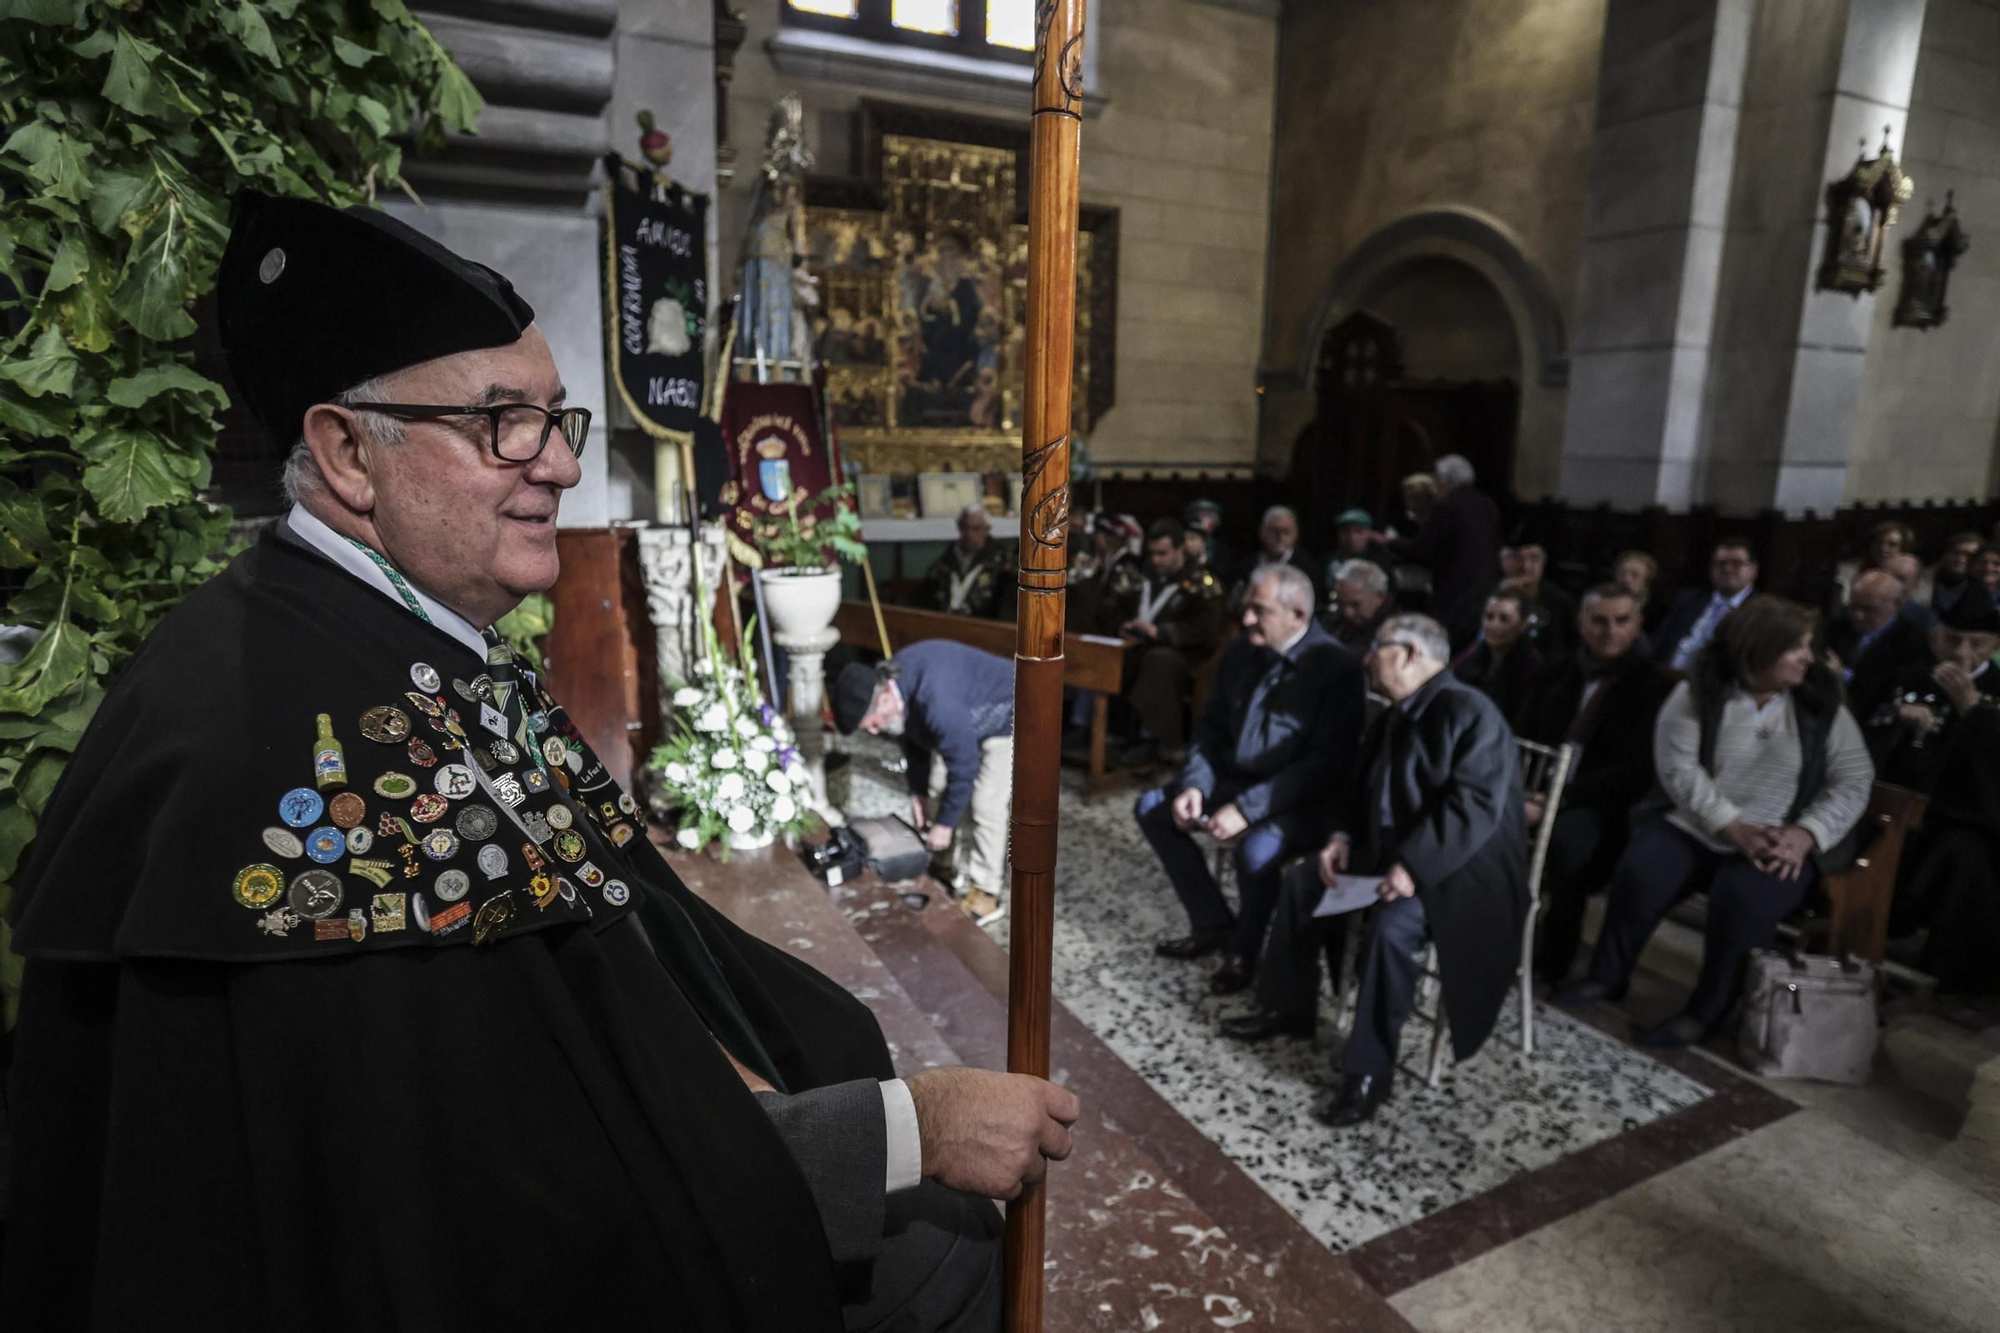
1858,898
1090,661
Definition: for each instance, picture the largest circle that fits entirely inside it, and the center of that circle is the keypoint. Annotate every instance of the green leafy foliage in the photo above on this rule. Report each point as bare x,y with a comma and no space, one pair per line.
124,130
813,531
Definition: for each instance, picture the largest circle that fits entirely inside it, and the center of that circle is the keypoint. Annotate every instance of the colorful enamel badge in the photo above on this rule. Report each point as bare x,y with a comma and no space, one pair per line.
559,816
425,677
326,845
359,840
385,912
259,885
424,704
300,807
454,781
378,873
617,892
395,786
450,919
315,894
440,844
429,808
569,845
422,755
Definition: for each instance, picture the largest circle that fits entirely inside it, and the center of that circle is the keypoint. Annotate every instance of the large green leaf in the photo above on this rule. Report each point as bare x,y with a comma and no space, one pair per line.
130,82
17,830
34,421
51,669
53,158
67,267
129,473
247,26
49,366
122,192
166,377
457,100
158,284
59,13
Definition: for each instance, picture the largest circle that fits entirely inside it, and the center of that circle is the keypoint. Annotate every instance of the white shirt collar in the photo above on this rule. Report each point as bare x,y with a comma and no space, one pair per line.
316,534
1284,649
1733,602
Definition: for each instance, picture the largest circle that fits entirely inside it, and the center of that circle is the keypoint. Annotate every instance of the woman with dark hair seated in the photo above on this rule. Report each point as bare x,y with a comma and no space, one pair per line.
1765,775
1502,665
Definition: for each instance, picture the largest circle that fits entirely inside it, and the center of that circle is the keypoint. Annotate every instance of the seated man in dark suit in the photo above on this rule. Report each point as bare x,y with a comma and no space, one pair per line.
1924,705
1691,621
1277,544
1173,619
1603,699
1869,645
1279,726
1526,564
1438,814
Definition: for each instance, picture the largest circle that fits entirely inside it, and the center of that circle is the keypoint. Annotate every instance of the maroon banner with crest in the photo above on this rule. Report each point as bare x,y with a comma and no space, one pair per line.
777,453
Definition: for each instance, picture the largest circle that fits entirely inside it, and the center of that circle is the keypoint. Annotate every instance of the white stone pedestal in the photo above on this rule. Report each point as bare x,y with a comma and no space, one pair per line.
805,684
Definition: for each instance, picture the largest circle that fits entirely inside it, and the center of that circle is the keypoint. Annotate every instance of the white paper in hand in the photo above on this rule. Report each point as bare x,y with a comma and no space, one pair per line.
1350,893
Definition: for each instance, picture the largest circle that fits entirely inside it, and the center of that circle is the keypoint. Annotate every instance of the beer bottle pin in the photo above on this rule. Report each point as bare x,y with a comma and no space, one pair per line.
329,760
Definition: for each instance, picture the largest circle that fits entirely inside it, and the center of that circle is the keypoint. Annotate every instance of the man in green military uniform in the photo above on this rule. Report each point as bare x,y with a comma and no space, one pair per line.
974,576
1174,620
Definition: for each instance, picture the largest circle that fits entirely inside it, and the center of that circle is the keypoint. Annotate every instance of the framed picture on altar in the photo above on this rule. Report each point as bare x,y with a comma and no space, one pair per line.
945,494
876,495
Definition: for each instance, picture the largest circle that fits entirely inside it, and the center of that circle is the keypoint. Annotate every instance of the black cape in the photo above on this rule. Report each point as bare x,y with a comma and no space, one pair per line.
222,1117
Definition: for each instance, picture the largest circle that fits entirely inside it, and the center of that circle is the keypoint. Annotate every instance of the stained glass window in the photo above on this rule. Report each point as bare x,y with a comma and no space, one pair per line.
932,16
1011,23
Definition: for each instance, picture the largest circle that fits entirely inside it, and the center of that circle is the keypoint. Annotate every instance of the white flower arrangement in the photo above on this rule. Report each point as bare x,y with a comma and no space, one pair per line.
731,769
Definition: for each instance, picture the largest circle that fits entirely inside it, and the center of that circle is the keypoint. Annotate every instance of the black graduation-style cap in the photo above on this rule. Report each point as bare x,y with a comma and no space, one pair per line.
853,692
1972,613
312,300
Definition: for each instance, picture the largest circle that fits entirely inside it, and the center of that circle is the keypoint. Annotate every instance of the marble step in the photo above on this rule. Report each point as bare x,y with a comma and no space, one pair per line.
1247,1261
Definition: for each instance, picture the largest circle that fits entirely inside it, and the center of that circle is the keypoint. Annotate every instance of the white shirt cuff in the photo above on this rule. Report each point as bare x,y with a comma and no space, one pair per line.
906,1144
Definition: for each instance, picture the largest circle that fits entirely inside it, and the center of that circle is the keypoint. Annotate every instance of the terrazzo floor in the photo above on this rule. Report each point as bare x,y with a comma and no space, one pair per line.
1496,1117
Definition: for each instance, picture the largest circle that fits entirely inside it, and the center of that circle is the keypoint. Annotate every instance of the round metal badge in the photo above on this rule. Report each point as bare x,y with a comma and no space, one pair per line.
258,885
359,840
565,889
429,808
452,885
463,691
315,894
482,689
326,845
627,804
283,842
555,749
395,785
505,751
569,845
454,781
475,823
347,809
493,860
271,266
300,807
385,724
440,844
559,816
425,677
424,704
617,892
422,755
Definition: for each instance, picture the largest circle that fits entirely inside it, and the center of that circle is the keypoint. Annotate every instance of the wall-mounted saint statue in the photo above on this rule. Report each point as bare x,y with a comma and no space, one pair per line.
1928,258
1860,209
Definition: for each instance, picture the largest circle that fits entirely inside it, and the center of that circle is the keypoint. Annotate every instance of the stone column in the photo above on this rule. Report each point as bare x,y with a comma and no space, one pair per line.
665,558
1706,366
805,683
1663,158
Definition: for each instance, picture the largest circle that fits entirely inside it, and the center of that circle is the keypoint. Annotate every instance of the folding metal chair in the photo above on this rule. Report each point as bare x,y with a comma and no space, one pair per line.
1544,775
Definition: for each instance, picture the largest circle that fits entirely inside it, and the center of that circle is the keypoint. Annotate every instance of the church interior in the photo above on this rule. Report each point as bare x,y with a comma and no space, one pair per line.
1498,315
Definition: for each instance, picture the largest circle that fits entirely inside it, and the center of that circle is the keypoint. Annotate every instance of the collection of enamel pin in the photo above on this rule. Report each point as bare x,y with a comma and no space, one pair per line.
539,777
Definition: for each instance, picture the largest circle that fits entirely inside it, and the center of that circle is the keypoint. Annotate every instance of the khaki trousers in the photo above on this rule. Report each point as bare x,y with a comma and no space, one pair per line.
979,844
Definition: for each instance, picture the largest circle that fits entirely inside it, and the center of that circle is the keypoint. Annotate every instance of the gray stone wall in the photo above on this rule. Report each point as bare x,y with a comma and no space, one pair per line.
1387,111
1929,415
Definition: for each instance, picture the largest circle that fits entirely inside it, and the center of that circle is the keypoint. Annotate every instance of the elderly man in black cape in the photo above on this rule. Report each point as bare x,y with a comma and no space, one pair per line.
1437,813
355,994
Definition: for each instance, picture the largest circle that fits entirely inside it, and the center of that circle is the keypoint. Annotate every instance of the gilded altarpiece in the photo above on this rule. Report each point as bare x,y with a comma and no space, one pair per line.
922,278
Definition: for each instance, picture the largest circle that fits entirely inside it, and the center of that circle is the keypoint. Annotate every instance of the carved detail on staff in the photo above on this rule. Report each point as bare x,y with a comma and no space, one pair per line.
1043,578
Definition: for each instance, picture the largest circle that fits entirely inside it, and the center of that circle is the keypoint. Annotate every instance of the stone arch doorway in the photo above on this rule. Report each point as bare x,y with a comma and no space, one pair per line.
1427,365
1466,307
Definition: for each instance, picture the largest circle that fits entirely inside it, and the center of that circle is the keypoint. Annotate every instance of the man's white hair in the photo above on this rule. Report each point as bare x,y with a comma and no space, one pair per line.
1454,470
302,475
1419,632
1274,511
977,509
1363,574
1295,590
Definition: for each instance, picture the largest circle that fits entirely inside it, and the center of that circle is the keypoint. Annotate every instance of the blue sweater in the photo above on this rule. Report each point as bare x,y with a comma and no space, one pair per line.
954,697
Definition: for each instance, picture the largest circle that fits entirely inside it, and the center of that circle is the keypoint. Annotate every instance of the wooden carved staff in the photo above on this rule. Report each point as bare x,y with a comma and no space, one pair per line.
1038,645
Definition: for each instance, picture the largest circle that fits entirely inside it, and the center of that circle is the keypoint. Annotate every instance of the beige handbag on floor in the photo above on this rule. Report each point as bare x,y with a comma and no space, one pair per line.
1809,1016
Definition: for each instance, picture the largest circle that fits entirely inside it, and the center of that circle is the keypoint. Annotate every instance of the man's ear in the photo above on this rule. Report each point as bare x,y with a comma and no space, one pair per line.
335,441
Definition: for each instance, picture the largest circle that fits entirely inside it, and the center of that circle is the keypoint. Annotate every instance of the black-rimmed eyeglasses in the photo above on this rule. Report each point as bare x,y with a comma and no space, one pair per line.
520,430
